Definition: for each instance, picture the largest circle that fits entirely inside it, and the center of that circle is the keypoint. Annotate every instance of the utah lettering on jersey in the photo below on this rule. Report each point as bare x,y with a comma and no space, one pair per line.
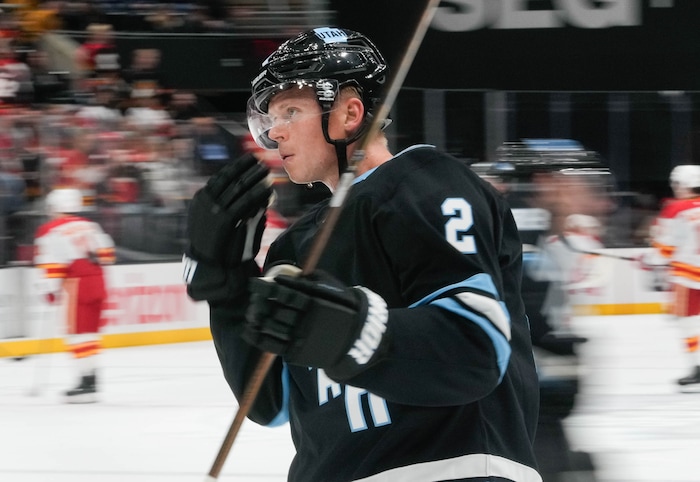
353,397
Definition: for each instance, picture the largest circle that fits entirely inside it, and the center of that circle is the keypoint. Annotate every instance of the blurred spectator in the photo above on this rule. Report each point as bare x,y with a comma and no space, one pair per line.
79,15
12,200
202,19
69,160
124,182
144,76
167,175
98,55
183,106
101,111
38,17
15,77
10,28
169,17
212,149
12,193
148,113
47,85
27,149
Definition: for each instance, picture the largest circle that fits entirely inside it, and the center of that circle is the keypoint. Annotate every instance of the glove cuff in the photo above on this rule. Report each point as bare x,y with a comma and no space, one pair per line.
370,345
215,283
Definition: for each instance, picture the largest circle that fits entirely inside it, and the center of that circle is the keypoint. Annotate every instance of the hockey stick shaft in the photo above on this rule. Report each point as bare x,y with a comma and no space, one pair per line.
573,248
322,236
251,391
346,180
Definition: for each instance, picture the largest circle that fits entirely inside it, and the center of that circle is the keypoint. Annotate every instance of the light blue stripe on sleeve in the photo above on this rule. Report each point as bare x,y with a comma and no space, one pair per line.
500,343
283,415
482,282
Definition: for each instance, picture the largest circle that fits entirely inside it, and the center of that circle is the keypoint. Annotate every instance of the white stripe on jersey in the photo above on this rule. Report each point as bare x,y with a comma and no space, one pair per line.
490,308
466,466
189,266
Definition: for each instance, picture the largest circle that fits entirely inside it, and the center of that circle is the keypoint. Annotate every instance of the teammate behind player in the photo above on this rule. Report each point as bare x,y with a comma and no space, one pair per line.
676,239
406,355
71,251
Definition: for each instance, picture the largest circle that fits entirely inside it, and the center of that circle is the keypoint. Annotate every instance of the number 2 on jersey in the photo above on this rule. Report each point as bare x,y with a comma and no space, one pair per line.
461,220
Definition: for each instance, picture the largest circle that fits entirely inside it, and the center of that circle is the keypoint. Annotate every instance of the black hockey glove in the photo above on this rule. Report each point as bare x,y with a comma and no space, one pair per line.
226,217
316,321
215,282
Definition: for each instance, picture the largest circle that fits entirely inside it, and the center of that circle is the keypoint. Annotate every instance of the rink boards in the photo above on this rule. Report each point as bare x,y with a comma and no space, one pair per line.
148,304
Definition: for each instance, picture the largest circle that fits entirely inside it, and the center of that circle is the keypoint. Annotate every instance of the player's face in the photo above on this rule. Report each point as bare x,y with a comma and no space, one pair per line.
564,195
305,154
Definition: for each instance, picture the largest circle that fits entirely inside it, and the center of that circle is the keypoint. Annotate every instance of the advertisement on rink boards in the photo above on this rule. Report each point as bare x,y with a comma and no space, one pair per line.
148,303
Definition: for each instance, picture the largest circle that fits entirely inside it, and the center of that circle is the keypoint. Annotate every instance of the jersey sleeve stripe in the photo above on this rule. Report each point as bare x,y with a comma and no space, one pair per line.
481,282
492,309
283,416
54,270
500,342
462,299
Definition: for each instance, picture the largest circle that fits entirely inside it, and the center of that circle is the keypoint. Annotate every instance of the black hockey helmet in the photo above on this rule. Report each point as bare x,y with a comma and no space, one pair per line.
326,59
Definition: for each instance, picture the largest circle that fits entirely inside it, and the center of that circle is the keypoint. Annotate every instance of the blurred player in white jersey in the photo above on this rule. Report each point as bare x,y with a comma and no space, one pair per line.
676,237
559,197
71,251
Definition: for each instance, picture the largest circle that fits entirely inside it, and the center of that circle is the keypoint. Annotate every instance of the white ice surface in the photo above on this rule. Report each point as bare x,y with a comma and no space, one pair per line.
164,411
162,415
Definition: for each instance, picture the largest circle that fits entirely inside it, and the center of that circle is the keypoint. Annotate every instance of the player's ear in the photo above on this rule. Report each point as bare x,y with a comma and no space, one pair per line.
354,111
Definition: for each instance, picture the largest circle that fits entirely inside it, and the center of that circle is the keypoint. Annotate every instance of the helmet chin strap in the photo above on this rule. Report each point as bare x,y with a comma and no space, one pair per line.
341,145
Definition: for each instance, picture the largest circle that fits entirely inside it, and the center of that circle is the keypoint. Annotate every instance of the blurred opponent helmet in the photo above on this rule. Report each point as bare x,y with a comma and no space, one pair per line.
517,162
685,176
64,201
325,59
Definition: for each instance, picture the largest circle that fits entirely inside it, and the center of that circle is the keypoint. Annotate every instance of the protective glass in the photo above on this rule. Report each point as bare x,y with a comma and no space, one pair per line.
260,122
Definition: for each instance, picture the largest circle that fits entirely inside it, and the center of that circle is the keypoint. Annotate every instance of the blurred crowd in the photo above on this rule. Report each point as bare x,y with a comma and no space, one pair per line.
178,16
114,131
110,125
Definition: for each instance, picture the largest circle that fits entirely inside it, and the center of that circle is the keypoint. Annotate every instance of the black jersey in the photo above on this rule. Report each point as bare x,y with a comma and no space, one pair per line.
456,396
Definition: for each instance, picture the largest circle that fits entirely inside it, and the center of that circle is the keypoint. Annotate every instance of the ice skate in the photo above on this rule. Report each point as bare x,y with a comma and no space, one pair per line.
691,383
86,392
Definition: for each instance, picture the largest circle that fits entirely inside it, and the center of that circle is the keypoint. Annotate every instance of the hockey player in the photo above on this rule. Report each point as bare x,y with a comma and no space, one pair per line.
675,236
406,354
71,251
547,189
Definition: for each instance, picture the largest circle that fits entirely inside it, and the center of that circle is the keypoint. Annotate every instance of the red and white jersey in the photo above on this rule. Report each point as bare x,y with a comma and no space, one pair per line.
72,247
569,260
677,237
661,232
